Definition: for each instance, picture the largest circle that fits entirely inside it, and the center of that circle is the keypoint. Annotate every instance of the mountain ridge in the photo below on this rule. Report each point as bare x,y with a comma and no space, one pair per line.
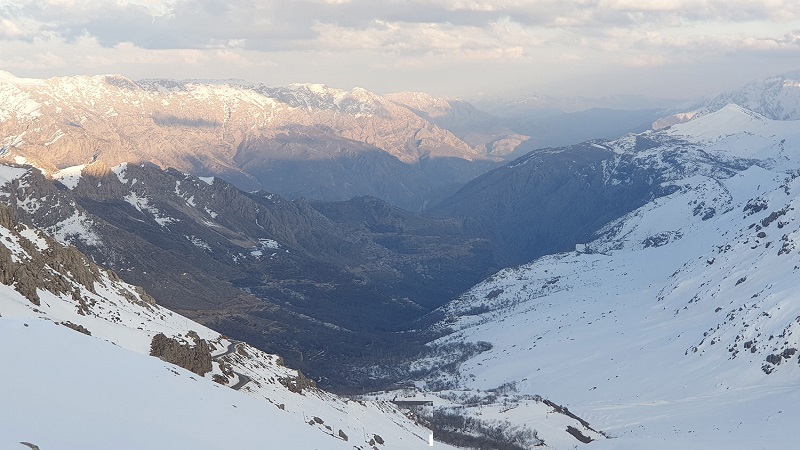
672,325
776,97
242,132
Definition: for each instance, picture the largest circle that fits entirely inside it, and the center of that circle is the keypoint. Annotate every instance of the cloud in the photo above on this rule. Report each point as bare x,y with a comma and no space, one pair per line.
502,39
645,60
231,57
273,25
230,37
10,30
38,61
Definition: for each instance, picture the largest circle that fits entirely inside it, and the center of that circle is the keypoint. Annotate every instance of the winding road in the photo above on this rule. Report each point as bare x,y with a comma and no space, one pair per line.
243,379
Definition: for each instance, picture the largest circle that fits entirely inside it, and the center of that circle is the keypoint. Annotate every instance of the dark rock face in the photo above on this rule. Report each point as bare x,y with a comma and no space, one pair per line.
195,358
551,199
56,269
548,200
578,435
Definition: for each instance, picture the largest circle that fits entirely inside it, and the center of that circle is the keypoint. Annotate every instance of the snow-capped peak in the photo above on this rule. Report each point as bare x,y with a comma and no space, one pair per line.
775,97
735,131
316,88
7,77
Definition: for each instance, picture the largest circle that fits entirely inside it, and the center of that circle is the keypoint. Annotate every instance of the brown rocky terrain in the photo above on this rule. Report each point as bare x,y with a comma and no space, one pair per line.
300,140
194,357
480,130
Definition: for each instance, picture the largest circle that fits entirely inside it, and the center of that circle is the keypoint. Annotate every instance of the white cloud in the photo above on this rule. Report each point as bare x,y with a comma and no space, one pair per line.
10,30
232,57
176,37
501,39
37,61
645,60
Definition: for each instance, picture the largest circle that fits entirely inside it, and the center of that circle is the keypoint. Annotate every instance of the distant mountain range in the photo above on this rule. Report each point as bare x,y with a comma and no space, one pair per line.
302,140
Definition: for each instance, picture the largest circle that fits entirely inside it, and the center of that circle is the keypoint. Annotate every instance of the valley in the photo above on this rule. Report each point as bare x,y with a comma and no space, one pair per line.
628,292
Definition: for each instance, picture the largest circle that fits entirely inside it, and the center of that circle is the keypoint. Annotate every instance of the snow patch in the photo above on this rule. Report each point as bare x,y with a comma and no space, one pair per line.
8,174
142,204
119,171
70,177
75,228
197,242
31,235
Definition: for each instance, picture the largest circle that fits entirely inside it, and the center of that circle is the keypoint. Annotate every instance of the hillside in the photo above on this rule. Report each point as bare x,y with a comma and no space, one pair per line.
332,280
675,325
479,129
78,374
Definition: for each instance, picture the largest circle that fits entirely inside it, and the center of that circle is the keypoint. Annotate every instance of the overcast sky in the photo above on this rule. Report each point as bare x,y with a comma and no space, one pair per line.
666,48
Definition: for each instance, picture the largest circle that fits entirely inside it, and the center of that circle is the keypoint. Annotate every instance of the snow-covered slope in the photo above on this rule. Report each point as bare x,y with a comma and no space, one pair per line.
78,375
679,326
776,98
736,132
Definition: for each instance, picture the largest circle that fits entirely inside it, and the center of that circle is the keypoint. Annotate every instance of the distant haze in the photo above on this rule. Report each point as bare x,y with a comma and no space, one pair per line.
464,48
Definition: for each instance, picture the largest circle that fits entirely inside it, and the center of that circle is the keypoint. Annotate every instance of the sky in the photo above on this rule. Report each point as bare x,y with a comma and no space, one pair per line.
462,48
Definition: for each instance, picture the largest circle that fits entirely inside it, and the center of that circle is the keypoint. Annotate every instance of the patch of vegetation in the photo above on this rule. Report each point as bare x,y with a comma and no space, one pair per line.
455,428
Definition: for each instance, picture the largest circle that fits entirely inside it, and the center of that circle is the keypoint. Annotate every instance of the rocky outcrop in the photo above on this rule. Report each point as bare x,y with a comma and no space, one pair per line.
51,266
195,358
298,383
77,327
56,268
